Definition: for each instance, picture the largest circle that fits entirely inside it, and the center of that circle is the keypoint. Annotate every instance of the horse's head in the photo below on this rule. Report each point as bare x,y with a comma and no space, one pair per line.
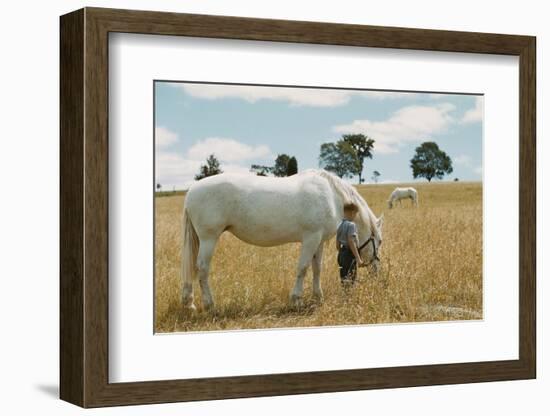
370,240
390,204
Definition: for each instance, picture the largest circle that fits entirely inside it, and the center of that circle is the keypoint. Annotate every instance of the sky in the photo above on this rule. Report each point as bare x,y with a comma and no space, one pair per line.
244,125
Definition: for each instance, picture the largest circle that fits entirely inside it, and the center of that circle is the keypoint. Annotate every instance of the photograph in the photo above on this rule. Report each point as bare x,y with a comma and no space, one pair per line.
298,206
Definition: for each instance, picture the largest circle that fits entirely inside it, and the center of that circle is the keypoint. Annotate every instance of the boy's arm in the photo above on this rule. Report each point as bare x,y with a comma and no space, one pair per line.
353,247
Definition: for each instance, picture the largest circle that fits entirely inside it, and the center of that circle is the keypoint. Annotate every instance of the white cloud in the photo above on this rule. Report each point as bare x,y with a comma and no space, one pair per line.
384,95
252,94
179,170
409,124
234,168
164,137
475,114
173,170
467,162
228,150
463,160
314,97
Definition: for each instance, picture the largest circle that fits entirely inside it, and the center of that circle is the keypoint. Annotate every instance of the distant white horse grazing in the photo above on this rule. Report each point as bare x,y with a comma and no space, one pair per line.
267,211
403,193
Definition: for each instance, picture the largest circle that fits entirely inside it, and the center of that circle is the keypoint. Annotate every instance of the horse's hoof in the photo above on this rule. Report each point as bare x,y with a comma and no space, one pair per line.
319,298
208,307
296,301
190,308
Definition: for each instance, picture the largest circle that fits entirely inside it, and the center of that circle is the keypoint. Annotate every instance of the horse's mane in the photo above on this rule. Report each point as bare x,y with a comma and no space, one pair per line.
349,194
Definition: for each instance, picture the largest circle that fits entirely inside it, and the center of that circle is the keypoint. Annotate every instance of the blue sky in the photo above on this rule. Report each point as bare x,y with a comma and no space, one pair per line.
244,125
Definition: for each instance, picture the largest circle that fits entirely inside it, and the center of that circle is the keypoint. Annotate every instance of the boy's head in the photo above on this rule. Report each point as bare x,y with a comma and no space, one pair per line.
350,210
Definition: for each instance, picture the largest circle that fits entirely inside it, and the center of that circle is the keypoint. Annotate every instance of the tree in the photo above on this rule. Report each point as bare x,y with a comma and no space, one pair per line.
261,170
375,176
292,166
281,163
362,145
430,162
211,168
159,187
284,166
338,158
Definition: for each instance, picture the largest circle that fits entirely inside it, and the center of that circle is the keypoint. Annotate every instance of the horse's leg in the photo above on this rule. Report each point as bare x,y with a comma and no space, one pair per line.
310,244
187,296
316,266
206,250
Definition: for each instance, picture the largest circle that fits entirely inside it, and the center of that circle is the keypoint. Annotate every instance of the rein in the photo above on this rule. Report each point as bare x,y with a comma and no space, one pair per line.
375,251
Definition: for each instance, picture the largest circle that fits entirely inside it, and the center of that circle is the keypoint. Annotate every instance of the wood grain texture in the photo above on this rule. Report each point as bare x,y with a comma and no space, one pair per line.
71,208
528,208
226,27
84,206
96,207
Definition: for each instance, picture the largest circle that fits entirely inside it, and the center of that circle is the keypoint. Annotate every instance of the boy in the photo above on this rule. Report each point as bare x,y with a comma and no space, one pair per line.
346,244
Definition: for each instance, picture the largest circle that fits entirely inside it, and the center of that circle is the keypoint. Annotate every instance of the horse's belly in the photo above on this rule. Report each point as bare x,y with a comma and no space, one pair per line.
265,236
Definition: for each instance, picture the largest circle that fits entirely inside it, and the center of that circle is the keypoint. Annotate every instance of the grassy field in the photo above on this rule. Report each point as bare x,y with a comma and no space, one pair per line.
431,269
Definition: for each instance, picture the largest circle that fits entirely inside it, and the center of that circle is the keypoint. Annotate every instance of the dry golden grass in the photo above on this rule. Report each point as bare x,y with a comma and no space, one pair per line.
431,269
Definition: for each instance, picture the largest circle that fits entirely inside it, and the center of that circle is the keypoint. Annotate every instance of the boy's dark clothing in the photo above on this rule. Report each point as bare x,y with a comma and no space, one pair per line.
348,266
346,259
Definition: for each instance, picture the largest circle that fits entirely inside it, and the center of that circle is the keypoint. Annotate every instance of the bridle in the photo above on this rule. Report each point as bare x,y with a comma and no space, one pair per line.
374,249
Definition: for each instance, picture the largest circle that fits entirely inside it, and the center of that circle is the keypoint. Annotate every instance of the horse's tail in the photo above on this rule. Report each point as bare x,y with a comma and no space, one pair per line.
189,256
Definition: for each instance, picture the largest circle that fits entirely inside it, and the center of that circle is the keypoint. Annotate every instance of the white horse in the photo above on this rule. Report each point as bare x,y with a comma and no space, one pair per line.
267,211
403,193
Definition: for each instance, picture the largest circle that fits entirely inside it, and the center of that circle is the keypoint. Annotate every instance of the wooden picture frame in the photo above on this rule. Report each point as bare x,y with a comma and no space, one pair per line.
84,207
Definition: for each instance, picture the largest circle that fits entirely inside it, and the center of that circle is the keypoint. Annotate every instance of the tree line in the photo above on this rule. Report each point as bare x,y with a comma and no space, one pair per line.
345,158
284,165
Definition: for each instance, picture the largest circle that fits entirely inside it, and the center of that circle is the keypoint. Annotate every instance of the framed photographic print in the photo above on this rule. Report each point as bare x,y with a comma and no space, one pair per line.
255,207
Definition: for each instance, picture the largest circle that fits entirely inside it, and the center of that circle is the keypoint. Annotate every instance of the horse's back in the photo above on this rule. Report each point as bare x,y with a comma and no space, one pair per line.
404,191
261,210
228,187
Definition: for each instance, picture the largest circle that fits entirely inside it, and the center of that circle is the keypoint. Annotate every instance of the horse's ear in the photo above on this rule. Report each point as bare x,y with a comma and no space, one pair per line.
380,222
